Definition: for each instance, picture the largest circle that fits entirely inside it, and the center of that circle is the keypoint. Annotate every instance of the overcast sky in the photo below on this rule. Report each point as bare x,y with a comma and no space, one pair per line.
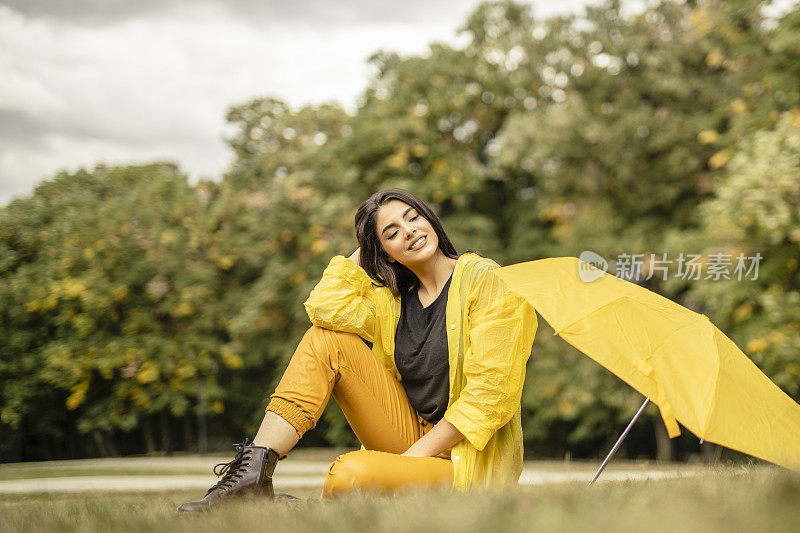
122,81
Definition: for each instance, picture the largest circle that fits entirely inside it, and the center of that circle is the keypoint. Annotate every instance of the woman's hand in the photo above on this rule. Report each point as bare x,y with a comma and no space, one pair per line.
356,256
441,437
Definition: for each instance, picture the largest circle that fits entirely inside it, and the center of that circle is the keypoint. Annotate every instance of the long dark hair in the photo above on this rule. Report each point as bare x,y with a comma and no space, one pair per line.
374,258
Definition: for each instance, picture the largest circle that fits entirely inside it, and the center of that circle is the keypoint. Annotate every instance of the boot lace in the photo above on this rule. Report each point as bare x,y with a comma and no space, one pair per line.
233,470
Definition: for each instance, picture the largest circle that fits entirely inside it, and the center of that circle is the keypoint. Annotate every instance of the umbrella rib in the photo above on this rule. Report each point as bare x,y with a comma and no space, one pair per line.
584,317
713,395
714,392
671,334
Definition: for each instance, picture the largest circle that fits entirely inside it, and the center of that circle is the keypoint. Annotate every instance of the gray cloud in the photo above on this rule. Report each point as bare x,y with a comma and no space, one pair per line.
306,12
88,12
19,127
351,11
123,81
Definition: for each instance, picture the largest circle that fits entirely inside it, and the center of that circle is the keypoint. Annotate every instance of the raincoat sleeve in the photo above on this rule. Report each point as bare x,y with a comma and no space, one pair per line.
344,299
501,327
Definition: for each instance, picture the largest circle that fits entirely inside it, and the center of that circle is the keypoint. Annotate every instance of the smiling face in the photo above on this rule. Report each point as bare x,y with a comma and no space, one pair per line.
406,236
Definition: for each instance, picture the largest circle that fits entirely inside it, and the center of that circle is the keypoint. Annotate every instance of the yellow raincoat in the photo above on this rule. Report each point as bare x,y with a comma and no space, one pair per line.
490,331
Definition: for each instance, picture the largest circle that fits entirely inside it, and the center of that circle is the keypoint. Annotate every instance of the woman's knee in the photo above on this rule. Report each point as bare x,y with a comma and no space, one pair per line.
384,472
349,472
317,340
313,333
321,338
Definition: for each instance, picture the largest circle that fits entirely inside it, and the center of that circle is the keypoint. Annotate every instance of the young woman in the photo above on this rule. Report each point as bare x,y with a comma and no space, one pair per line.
423,349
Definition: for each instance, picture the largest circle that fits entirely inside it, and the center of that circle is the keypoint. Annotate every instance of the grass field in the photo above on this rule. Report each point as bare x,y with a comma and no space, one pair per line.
727,499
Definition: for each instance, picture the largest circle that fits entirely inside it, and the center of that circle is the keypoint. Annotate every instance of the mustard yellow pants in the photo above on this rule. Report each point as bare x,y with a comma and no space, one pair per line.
376,407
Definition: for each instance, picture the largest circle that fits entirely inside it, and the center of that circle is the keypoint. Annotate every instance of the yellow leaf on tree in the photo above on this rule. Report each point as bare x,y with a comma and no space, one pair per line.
757,345
399,158
566,408
707,137
419,150
185,370
776,336
147,373
50,302
224,262
719,159
743,311
78,394
297,277
714,58
231,359
319,246
183,309
119,293
168,237
700,19
74,288
140,398
454,181
439,166
738,106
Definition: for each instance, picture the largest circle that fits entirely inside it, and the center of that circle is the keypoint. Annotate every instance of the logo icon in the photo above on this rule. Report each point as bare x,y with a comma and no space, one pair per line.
591,266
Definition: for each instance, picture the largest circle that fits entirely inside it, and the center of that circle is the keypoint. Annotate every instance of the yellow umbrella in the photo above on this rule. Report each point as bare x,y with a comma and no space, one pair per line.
672,355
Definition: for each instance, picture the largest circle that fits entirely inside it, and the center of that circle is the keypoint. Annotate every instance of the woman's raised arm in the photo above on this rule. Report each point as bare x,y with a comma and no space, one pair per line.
345,299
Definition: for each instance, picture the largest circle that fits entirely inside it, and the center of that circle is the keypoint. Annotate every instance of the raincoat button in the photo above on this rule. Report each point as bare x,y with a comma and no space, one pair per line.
456,458
452,326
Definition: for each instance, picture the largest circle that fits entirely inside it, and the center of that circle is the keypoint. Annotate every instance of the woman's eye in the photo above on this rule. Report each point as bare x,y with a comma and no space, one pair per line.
415,217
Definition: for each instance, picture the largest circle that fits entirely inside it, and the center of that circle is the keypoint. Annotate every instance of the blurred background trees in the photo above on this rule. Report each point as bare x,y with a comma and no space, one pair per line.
139,312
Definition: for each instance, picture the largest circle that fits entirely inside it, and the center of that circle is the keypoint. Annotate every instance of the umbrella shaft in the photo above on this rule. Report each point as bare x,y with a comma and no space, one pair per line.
619,441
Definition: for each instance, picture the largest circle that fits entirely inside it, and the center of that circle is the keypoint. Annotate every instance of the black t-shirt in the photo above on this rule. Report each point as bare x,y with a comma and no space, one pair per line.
421,354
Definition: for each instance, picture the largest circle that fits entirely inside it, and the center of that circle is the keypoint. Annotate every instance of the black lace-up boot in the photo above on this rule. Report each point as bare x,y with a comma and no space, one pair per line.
249,473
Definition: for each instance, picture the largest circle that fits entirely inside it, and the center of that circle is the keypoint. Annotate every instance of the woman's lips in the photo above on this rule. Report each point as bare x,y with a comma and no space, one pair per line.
419,243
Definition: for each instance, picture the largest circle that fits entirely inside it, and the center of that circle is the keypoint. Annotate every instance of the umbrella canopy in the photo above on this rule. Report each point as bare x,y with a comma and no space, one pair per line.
676,357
